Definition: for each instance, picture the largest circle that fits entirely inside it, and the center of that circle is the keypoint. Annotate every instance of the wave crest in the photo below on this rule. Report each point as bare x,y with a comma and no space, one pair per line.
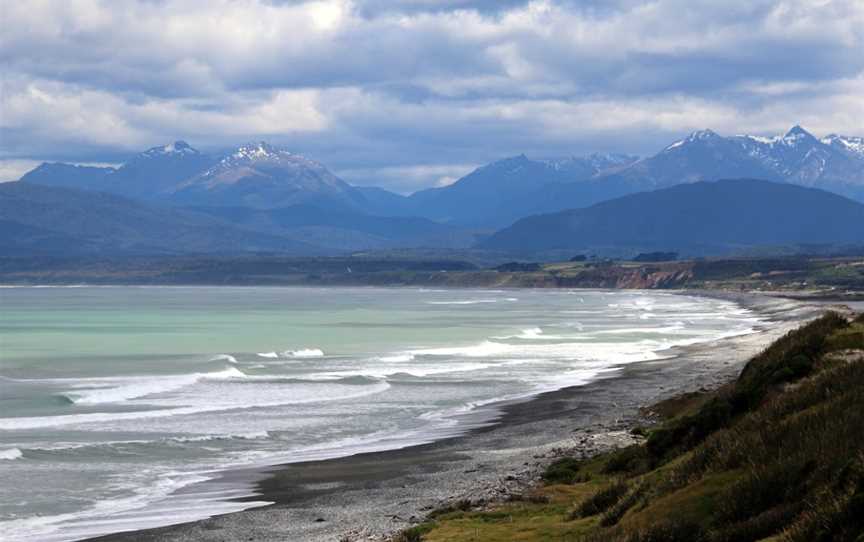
304,353
144,386
10,454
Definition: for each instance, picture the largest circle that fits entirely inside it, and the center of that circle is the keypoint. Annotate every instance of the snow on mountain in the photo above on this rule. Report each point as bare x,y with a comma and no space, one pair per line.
176,148
264,176
801,158
852,145
590,164
834,163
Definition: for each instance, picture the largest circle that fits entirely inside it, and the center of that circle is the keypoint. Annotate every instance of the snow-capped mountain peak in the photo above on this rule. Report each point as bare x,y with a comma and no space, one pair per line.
700,135
176,148
697,136
266,176
257,151
797,135
852,145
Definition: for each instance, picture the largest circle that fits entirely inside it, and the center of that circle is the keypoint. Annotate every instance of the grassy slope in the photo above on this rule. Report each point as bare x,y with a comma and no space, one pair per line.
777,455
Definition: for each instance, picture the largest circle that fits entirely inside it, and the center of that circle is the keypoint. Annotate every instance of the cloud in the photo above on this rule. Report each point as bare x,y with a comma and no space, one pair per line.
12,170
387,86
407,179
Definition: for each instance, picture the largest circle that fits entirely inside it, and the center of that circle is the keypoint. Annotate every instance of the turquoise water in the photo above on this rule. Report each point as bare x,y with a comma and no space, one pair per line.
113,399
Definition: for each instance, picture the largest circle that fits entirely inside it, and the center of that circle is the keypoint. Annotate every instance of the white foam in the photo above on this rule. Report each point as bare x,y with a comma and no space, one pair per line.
10,454
253,398
533,333
138,387
90,521
484,349
224,357
304,353
463,302
253,435
397,358
270,355
59,446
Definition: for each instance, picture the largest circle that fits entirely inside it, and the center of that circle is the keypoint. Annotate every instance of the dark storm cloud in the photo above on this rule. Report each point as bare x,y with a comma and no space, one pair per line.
389,85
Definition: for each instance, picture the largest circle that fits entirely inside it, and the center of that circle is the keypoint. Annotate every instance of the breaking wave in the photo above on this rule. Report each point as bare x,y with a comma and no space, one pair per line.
10,454
142,387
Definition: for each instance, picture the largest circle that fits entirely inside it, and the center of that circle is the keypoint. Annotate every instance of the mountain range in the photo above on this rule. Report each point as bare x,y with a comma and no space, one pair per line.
263,189
834,163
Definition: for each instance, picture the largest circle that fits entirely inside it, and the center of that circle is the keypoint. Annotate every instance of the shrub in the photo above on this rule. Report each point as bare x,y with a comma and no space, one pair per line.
685,433
462,505
758,527
671,531
562,471
601,501
616,512
413,534
789,358
631,460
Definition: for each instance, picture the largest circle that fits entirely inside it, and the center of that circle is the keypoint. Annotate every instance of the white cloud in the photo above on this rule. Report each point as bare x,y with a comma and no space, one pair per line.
372,85
407,179
12,170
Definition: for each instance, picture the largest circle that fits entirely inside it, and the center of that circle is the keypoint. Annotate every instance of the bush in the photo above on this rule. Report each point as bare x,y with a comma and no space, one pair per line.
789,358
758,527
562,471
630,460
413,534
601,501
462,505
685,433
671,531
614,514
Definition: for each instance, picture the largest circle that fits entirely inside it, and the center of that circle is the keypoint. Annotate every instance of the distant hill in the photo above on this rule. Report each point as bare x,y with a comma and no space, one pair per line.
68,176
344,229
702,217
40,219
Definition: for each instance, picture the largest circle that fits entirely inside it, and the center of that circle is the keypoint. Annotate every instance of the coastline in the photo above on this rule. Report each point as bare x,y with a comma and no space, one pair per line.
370,495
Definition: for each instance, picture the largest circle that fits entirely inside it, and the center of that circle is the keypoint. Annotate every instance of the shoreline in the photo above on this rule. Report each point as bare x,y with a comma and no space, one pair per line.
369,495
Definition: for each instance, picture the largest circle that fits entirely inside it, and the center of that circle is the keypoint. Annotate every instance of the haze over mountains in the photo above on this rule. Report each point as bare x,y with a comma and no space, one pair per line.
262,190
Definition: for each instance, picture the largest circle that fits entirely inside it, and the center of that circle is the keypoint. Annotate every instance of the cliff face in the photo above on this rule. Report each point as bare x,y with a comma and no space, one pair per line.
642,277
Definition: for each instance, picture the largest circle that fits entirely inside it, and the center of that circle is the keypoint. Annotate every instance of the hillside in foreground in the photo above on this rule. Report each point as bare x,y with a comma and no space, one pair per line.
774,456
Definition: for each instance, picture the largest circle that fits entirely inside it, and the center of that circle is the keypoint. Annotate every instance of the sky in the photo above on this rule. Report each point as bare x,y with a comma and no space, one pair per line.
407,94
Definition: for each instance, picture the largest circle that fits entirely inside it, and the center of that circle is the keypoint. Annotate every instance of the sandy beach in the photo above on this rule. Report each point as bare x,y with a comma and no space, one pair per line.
369,496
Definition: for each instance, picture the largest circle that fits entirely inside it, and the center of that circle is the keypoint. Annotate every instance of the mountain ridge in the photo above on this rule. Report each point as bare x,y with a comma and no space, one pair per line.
706,217
80,222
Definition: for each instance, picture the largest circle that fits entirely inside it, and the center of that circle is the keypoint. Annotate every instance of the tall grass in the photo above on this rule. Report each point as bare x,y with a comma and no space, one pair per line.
789,435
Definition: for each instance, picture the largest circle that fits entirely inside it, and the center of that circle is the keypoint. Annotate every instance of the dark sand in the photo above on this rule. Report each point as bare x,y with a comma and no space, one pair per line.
367,496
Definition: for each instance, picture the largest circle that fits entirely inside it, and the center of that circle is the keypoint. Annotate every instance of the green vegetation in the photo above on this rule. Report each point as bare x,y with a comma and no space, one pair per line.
797,275
777,455
562,471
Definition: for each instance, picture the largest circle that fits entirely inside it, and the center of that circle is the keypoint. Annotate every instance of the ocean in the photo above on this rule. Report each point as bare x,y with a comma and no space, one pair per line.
116,402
